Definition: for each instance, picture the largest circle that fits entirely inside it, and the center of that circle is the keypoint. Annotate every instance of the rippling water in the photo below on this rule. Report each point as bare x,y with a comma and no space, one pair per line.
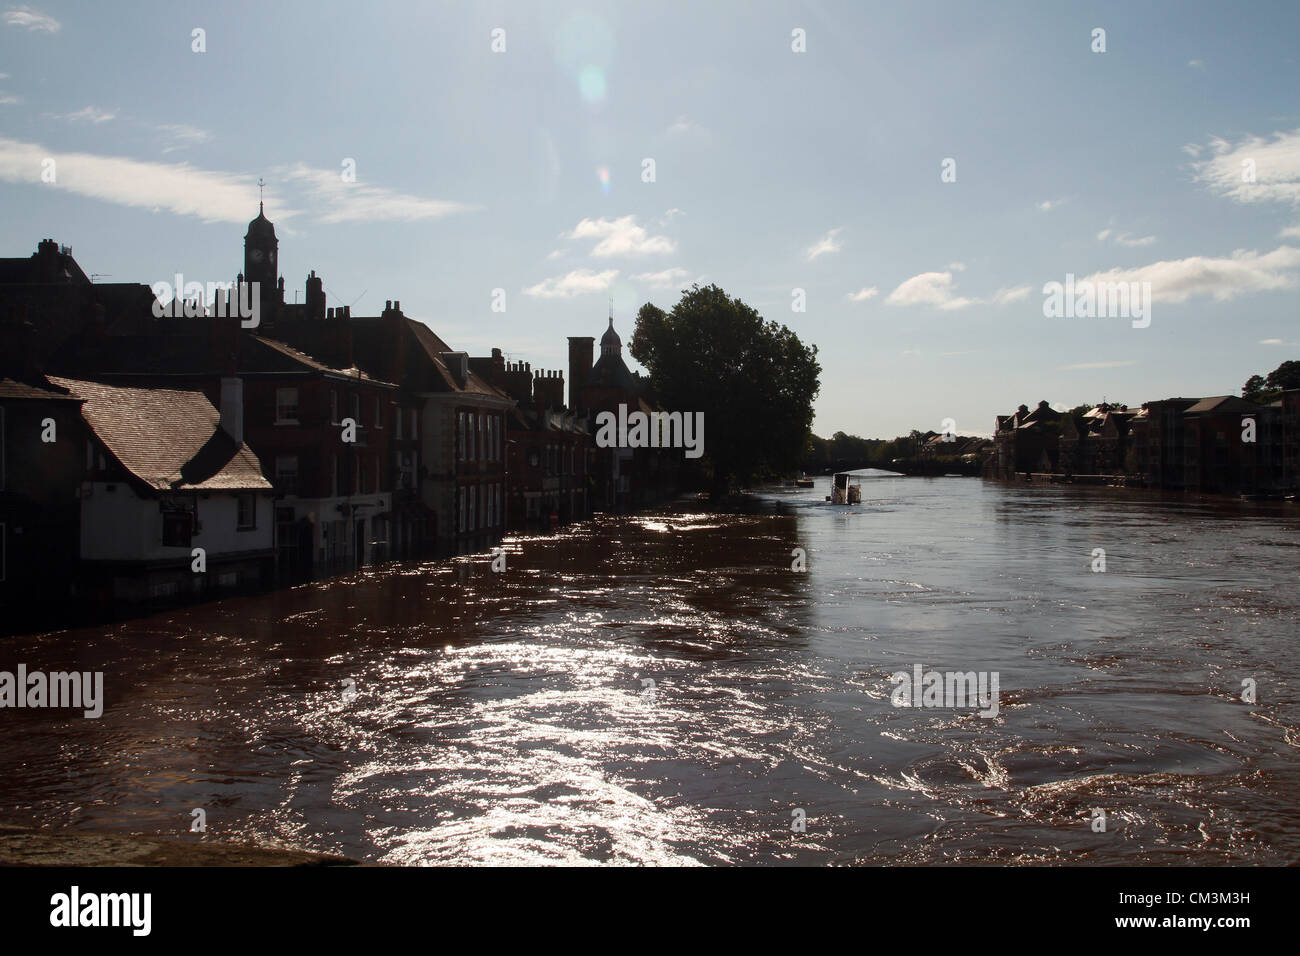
510,718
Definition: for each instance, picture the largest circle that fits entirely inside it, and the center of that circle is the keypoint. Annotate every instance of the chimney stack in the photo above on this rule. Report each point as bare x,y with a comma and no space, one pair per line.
232,408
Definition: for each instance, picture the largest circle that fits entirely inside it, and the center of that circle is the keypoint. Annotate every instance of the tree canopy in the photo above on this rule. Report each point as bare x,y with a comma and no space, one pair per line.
1265,388
753,379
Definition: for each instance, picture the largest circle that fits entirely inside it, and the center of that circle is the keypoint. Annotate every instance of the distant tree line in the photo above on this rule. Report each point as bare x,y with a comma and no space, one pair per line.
1266,388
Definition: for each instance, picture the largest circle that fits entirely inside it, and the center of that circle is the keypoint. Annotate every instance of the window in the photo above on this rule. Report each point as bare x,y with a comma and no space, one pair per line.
178,529
247,513
286,406
471,427
356,408
286,474
397,422
334,482
379,411
473,507
334,406
460,509
460,436
361,475
415,427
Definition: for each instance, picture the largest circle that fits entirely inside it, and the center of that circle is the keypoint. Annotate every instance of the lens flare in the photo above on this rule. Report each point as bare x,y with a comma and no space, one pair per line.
591,84
603,175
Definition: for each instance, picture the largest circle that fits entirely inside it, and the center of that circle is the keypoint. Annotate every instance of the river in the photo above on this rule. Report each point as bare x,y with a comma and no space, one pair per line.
664,689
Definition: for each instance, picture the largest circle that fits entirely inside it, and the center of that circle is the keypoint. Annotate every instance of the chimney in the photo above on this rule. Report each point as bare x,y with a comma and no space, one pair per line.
581,349
315,296
458,364
232,408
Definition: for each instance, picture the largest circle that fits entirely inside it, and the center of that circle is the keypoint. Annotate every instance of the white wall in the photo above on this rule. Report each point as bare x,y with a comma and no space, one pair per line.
119,525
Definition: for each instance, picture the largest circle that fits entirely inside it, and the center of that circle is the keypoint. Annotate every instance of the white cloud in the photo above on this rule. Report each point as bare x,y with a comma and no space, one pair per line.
1086,365
1276,168
90,114
211,195
668,279
577,282
7,98
1196,64
1270,341
335,201
1047,205
1223,278
1290,232
685,126
826,245
181,135
928,288
863,294
621,237
32,19
1125,238
1011,294
935,289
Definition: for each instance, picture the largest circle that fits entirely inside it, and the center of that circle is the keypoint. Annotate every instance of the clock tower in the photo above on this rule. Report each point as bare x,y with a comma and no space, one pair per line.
260,253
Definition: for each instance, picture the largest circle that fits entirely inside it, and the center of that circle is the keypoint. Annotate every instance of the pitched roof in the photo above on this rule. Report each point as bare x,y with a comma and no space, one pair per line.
10,388
192,354
434,347
1226,404
169,439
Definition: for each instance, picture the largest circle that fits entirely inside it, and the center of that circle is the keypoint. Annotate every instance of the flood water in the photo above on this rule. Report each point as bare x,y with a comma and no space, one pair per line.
510,717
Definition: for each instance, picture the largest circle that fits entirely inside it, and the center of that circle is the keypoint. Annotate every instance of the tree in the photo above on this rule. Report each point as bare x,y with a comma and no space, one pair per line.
753,379
1254,387
1286,375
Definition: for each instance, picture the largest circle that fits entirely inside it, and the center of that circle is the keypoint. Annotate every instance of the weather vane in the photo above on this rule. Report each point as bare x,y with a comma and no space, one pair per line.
260,185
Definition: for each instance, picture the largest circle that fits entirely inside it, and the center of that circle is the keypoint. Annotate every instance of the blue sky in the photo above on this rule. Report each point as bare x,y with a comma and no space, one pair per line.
774,170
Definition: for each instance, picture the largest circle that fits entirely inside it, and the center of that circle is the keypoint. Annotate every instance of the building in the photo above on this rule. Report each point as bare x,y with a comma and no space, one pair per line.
1027,442
41,469
549,449
173,501
1216,457
622,478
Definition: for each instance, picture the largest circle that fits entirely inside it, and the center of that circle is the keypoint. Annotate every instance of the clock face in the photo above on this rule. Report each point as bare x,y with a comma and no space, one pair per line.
256,255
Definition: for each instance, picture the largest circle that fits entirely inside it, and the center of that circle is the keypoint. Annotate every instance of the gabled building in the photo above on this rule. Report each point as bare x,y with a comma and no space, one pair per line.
166,473
320,433
1027,442
1215,455
458,464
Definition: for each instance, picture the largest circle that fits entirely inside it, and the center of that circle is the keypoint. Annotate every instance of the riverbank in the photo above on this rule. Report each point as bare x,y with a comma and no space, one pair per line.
20,846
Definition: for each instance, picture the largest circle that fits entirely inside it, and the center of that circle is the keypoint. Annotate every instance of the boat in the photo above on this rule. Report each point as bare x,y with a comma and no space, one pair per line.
843,492
804,482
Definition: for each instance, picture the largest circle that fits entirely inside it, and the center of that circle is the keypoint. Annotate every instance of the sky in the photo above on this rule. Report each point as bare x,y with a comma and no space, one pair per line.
895,182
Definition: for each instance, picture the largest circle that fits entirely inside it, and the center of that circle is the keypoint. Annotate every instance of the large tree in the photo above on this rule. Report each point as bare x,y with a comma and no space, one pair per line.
753,379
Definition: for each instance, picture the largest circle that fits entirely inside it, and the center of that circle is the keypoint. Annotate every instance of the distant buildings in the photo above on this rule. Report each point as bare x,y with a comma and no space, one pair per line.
188,455
1217,445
